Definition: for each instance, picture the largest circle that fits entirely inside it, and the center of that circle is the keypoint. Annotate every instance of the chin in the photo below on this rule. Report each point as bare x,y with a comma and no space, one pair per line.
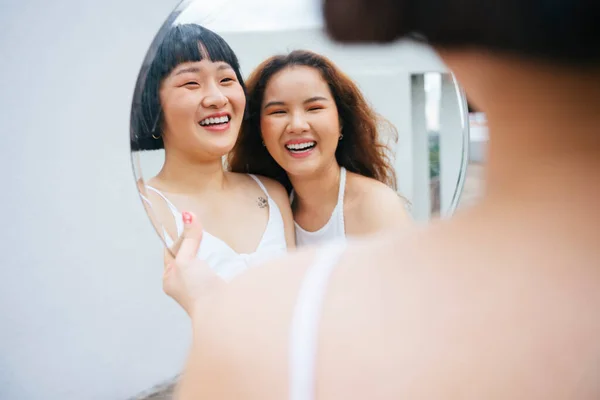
303,169
219,149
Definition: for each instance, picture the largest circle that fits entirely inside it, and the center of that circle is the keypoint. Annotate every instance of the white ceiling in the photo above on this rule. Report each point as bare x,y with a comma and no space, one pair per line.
253,15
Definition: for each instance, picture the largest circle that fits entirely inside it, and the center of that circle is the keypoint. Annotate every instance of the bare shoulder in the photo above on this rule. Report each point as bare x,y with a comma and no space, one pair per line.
367,192
275,189
373,206
240,334
277,192
429,311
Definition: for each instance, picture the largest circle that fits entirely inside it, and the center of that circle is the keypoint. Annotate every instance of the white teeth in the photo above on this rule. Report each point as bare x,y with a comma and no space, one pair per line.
211,121
300,146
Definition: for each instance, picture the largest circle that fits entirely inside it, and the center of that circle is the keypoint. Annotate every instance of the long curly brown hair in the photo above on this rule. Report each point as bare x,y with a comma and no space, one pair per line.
361,151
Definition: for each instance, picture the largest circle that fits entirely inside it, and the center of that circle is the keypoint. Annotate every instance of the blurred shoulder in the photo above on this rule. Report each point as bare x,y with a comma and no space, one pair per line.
240,333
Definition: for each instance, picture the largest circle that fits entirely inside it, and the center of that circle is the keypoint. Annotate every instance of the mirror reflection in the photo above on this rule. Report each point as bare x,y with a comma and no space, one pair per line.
279,139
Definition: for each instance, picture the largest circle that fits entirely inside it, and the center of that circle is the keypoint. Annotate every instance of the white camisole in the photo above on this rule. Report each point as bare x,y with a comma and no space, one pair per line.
219,255
333,229
304,330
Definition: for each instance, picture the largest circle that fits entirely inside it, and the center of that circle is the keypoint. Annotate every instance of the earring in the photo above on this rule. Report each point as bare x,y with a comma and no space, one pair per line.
156,137
341,136
263,143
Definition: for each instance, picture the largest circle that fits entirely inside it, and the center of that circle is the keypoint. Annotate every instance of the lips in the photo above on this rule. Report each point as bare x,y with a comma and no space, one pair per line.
298,146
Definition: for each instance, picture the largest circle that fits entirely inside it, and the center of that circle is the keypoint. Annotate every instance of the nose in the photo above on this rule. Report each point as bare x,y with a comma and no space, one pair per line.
214,98
298,123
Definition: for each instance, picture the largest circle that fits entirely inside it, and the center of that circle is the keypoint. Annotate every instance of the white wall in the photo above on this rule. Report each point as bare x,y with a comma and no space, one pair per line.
82,314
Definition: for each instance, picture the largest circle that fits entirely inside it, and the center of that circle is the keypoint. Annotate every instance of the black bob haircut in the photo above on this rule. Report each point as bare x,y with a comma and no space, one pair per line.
181,43
562,32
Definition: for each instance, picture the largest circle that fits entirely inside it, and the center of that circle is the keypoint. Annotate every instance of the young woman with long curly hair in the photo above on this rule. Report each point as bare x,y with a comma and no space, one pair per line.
310,128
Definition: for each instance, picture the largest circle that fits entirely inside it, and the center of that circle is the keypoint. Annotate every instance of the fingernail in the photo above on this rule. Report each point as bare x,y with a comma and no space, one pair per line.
187,217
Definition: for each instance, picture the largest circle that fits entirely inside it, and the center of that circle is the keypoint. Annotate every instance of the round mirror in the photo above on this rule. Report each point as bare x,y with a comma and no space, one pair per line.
208,105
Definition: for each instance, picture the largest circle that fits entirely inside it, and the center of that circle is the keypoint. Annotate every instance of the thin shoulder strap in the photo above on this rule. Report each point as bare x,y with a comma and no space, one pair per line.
264,189
342,188
340,204
172,207
146,199
168,240
305,321
174,211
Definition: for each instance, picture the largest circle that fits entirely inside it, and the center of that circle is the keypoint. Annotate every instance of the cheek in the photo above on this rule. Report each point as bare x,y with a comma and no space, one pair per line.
176,106
171,113
327,126
237,99
178,113
269,127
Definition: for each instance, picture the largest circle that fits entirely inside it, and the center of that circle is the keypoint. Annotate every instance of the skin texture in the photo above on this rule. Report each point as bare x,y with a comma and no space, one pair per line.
298,106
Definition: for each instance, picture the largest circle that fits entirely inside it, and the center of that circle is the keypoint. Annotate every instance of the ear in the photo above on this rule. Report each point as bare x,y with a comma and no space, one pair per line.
367,20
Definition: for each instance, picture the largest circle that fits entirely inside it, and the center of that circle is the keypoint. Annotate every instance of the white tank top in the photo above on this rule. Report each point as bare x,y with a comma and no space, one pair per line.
304,332
333,229
219,255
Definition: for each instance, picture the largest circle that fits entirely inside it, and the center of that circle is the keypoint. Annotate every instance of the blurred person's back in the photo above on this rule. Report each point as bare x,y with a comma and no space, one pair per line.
500,301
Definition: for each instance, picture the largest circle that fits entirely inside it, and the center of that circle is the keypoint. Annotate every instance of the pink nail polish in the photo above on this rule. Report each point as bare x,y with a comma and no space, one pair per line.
187,217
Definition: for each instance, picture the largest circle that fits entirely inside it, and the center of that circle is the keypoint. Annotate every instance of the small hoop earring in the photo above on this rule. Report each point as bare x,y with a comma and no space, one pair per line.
341,136
155,137
263,143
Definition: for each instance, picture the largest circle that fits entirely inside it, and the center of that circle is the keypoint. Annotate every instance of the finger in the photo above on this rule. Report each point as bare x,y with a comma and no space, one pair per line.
175,246
174,249
167,257
168,268
190,238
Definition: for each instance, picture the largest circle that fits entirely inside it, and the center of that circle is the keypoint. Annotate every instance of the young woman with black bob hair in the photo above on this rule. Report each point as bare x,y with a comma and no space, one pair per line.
192,104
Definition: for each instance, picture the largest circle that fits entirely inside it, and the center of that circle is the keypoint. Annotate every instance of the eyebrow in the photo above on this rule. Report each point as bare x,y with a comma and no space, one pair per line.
310,100
198,69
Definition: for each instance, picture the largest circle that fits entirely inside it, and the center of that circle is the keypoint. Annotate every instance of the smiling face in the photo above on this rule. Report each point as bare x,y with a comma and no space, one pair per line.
299,121
202,105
